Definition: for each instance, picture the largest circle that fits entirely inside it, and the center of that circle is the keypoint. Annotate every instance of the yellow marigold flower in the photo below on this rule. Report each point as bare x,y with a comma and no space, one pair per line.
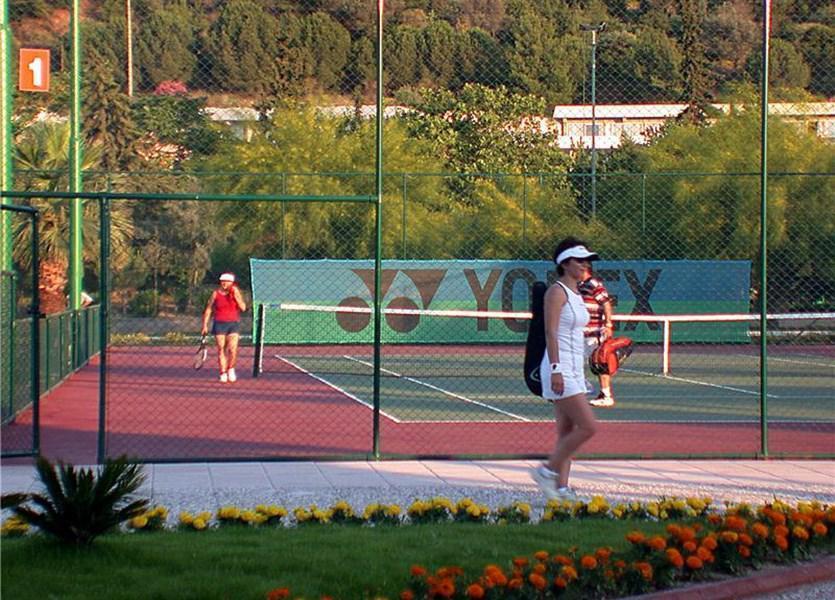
186,518
205,515
393,510
652,508
800,532
199,524
569,572
139,522
248,516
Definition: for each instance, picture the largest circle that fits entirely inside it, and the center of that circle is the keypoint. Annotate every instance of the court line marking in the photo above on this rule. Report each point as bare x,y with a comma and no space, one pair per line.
801,362
696,382
335,387
438,389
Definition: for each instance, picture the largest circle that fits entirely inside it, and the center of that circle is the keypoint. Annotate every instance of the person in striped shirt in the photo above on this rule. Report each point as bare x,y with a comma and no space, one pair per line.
599,304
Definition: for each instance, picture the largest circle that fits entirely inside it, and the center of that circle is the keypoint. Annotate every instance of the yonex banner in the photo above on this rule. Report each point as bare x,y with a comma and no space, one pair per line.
641,287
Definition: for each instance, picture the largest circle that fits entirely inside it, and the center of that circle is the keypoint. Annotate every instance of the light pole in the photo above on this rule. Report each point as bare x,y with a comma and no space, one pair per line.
595,29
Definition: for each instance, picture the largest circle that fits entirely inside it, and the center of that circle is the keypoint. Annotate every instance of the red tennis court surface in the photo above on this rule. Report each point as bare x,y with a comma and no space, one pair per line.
159,408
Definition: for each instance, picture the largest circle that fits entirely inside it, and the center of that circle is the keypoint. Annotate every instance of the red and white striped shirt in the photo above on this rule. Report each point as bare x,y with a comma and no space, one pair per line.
596,296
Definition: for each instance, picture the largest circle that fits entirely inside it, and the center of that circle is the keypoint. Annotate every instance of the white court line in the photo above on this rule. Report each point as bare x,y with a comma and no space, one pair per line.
437,389
697,382
335,387
801,362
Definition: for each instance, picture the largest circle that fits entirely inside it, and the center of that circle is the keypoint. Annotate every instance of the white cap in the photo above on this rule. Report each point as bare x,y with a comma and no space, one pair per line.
576,252
228,277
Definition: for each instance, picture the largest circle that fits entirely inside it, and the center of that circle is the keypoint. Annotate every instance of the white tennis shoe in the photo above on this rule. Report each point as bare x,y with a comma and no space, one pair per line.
224,378
233,377
546,479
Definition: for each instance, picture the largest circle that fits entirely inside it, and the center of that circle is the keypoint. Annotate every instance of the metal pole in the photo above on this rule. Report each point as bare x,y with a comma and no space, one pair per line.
129,46
593,122
763,231
378,227
104,321
6,150
36,337
76,264
403,220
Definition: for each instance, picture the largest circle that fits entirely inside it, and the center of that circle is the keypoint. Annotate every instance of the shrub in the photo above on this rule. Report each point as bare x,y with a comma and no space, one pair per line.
79,505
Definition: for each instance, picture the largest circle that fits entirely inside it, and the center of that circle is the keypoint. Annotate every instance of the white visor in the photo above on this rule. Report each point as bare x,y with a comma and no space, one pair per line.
576,252
227,277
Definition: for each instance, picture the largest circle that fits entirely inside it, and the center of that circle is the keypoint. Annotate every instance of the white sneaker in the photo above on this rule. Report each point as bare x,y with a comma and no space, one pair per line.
224,378
566,493
232,376
546,479
603,401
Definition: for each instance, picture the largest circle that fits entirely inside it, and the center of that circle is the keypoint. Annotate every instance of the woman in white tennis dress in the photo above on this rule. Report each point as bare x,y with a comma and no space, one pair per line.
562,368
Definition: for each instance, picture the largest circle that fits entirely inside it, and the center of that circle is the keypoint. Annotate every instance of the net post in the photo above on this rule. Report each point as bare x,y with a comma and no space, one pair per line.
665,367
258,337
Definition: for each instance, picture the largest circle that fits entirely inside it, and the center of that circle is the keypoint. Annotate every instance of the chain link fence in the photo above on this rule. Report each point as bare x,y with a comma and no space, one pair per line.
508,125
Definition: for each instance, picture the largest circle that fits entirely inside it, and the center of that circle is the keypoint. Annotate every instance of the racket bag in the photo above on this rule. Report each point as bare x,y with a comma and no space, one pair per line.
609,356
535,343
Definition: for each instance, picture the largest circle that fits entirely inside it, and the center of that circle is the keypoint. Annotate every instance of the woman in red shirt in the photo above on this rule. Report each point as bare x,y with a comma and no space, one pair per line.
227,304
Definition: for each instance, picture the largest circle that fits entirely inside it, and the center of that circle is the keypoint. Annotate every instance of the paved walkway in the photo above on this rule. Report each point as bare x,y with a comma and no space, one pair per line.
207,485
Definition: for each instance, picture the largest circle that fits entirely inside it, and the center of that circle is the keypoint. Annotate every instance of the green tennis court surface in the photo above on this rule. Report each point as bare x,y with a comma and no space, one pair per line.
467,384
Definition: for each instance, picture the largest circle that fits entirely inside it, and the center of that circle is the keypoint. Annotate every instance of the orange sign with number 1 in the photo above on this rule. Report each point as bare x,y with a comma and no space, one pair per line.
34,70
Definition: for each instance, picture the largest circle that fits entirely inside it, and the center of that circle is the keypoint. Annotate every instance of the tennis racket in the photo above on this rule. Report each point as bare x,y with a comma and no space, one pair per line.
201,354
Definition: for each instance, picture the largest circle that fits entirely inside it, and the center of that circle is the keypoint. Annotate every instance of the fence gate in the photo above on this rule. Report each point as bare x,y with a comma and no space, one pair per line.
19,342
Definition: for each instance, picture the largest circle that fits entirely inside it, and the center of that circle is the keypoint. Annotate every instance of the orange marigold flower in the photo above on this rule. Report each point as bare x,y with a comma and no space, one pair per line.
588,562
686,534
446,589
781,542
619,564
515,584
417,571
560,582
475,591
520,561
278,593
820,529
635,537
656,542
541,555
562,559
709,542
539,568
760,530
777,518
689,547
705,554
673,529
694,563
746,539
730,537
735,523
569,572
744,551
674,558
800,532
645,569
781,530
537,580
603,554
714,519
407,595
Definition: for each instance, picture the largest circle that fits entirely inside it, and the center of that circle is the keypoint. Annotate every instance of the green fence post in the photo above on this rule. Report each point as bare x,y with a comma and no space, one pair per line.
403,220
766,26
6,149
36,343
378,227
104,319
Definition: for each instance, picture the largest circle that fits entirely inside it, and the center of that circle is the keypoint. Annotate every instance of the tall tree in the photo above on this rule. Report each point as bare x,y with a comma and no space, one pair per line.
695,82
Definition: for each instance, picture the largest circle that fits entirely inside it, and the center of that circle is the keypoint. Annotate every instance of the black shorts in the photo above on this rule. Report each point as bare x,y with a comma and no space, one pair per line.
226,327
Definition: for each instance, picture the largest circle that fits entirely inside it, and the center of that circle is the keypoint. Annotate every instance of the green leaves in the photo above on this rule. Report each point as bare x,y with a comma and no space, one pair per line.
78,505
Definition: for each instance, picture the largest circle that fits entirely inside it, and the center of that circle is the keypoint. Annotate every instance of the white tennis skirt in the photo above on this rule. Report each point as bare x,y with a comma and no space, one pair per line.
574,382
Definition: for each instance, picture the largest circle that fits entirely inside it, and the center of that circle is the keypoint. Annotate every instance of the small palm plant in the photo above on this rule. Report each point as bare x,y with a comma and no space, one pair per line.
78,505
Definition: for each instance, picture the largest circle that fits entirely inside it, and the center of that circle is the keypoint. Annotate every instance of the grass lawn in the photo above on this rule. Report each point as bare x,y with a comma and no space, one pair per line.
346,562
